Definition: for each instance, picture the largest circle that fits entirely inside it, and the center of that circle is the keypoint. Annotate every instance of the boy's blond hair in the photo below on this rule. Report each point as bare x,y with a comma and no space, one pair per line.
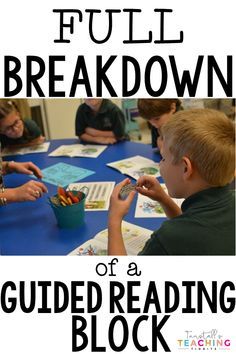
207,138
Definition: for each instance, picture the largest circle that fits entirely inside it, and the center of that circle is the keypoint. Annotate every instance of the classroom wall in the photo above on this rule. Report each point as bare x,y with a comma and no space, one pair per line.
59,115
39,102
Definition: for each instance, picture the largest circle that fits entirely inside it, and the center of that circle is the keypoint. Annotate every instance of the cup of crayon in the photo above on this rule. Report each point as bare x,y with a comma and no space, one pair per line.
68,207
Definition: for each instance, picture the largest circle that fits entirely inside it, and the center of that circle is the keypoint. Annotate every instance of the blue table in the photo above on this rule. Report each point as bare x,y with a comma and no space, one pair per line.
30,228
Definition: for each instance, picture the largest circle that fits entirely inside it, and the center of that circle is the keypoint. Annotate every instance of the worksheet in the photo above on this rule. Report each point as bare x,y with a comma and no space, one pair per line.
62,174
98,196
148,208
78,150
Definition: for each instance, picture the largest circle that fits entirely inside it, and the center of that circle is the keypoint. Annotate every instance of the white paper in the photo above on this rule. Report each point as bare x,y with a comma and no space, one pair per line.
148,208
78,150
134,238
98,194
136,167
34,149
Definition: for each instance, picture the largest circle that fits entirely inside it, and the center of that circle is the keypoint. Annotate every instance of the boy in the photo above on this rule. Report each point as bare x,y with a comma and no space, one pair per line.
198,157
157,112
99,121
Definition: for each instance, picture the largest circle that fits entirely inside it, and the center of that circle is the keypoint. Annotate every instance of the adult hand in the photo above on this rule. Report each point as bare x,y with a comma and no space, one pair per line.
118,207
150,187
28,168
29,191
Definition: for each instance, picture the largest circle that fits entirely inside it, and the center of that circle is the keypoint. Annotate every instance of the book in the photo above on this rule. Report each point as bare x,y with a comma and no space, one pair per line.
34,149
78,150
148,208
98,196
134,238
136,167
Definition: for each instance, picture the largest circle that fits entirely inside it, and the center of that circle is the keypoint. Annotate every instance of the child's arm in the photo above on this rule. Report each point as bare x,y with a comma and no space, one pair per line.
117,210
101,133
97,139
151,188
116,245
37,141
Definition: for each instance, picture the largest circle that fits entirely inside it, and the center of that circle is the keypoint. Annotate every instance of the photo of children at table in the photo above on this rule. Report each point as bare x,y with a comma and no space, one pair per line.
157,112
99,121
15,131
198,164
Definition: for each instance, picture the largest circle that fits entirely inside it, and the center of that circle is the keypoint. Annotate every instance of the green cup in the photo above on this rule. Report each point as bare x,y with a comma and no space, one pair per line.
70,216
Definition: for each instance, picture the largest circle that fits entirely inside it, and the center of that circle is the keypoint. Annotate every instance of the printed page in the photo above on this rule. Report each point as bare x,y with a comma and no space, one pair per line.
98,196
92,247
34,149
78,150
148,208
134,237
136,167
62,174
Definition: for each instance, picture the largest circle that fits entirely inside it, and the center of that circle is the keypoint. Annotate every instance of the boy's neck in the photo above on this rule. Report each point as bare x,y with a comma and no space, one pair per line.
96,108
195,187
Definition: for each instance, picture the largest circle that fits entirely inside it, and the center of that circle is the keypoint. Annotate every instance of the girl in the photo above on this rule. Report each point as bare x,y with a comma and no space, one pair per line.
13,130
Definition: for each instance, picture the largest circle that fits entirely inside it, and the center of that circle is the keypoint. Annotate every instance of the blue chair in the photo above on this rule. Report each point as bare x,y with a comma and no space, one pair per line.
130,109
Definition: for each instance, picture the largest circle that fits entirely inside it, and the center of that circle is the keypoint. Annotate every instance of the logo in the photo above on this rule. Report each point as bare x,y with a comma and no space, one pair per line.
205,340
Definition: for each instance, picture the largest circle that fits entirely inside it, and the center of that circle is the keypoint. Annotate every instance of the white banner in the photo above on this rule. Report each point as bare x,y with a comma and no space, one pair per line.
127,304
117,49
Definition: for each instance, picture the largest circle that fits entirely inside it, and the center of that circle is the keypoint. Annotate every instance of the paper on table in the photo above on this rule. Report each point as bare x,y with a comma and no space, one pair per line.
148,208
134,238
98,196
78,150
26,150
136,167
61,174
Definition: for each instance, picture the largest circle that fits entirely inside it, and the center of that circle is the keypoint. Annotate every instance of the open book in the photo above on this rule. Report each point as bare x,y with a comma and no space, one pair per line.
78,150
136,167
26,150
134,238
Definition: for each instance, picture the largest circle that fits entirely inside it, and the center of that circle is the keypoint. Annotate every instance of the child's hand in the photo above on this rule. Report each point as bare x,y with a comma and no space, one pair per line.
106,140
27,168
110,141
150,187
118,207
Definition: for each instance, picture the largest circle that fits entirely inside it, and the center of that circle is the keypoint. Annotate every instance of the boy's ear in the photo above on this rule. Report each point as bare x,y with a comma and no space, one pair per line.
173,107
187,168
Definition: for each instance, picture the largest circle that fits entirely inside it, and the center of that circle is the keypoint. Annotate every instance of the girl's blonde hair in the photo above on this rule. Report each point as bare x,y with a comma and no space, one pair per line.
207,138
